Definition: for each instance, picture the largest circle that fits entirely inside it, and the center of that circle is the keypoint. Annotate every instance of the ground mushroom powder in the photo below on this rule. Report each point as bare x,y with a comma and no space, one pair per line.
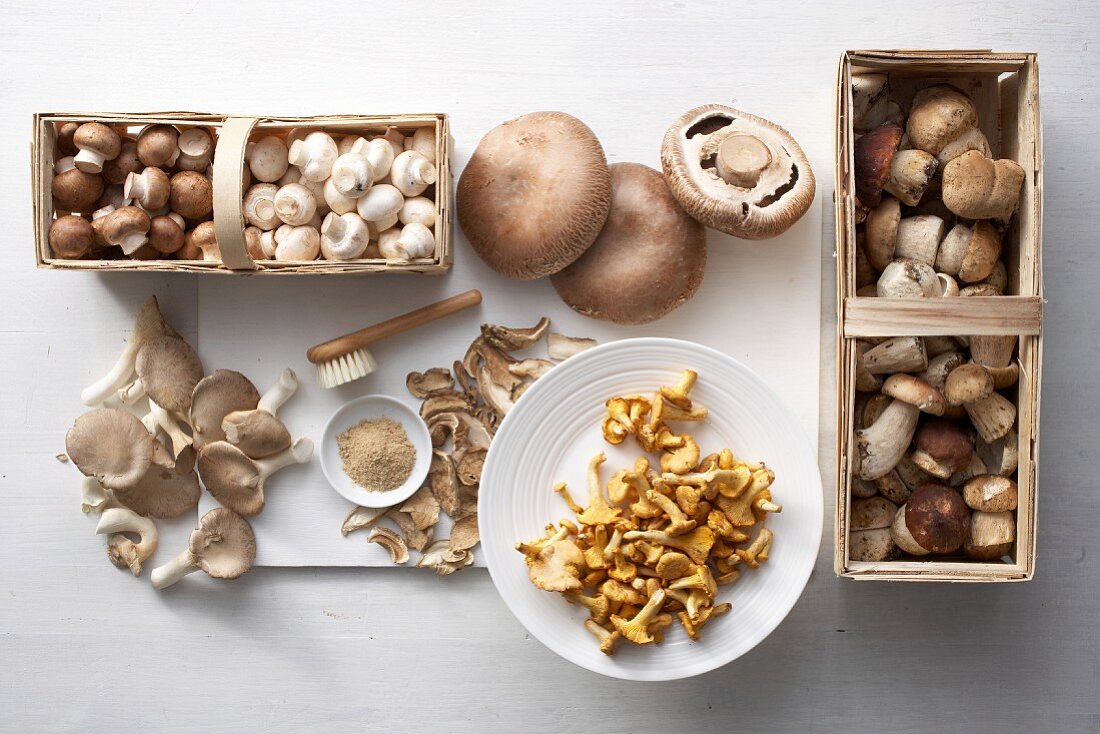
377,454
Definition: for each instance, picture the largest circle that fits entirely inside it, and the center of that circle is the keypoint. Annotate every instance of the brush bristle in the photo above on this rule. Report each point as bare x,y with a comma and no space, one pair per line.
346,368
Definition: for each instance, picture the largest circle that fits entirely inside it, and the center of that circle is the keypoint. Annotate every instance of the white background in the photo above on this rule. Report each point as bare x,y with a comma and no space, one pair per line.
86,648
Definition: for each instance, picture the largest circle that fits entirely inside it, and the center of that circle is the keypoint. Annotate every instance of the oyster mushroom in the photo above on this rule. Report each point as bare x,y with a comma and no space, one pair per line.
111,445
258,433
237,481
648,259
168,370
117,523
223,546
216,396
148,324
535,194
165,491
736,172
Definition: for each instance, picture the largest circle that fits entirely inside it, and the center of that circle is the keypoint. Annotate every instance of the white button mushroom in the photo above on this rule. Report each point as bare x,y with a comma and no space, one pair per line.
336,201
352,175
297,243
267,158
395,139
423,142
344,236
417,241
380,154
418,209
388,244
259,206
294,204
411,173
349,143
380,203
315,155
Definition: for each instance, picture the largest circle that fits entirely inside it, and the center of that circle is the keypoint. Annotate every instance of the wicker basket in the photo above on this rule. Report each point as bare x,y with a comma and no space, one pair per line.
1005,88
233,134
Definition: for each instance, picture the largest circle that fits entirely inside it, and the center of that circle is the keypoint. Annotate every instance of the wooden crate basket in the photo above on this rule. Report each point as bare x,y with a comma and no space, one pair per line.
233,134
1005,88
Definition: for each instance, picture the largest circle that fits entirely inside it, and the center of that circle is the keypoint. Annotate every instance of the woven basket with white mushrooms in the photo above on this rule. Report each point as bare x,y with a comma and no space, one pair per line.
933,204
157,426
463,407
341,198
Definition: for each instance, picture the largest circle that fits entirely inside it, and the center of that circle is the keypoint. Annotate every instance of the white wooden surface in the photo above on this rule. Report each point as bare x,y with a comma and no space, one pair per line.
85,648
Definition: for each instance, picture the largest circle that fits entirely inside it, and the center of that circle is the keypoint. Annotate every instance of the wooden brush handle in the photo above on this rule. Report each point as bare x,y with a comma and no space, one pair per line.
348,343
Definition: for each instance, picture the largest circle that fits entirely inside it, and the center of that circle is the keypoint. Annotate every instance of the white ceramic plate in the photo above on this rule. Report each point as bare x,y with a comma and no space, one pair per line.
555,429
365,408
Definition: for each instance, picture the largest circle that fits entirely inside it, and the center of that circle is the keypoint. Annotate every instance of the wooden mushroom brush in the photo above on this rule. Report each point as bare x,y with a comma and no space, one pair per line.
346,358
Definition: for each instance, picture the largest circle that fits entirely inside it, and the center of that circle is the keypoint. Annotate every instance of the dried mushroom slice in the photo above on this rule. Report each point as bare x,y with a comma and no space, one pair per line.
736,172
425,384
465,534
563,347
415,538
392,542
444,482
442,559
468,464
531,368
511,339
423,508
362,517
449,402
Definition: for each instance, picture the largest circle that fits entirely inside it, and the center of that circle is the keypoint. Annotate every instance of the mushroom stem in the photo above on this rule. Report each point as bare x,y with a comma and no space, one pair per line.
741,159
132,393
171,572
280,392
117,378
123,552
171,426
93,498
299,453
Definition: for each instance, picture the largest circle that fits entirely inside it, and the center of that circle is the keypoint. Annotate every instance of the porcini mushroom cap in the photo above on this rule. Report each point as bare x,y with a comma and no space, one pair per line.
535,194
939,115
942,448
915,391
873,156
936,519
975,187
648,259
991,535
224,546
967,383
737,173
216,396
192,195
169,370
71,237
113,446
991,493
881,232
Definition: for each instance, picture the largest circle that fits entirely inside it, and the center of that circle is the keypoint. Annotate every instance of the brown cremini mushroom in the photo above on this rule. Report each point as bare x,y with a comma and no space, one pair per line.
156,145
71,237
535,194
126,162
223,546
127,228
192,195
166,233
216,396
934,520
74,190
111,445
148,189
196,150
648,259
65,132
203,238
97,144
737,173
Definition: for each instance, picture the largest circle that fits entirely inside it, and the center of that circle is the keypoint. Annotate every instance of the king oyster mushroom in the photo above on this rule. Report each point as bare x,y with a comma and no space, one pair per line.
216,396
648,259
148,324
258,433
535,194
237,481
112,446
737,172
223,546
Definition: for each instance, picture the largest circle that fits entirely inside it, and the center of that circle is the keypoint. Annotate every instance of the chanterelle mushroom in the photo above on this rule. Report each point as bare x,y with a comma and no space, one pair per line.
258,433
223,546
535,194
111,445
237,481
737,172
216,396
648,259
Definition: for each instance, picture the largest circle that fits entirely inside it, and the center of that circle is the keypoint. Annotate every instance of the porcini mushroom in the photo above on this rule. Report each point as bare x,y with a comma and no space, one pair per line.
942,448
111,445
535,194
237,481
971,253
915,391
975,187
737,173
910,173
96,144
71,237
991,535
870,538
967,383
881,445
192,195
897,354
223,546
156,145
918,238
196,146
257,432
873,157
648,259
939,115
934,520
881,232
991,493
907,279
74,190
